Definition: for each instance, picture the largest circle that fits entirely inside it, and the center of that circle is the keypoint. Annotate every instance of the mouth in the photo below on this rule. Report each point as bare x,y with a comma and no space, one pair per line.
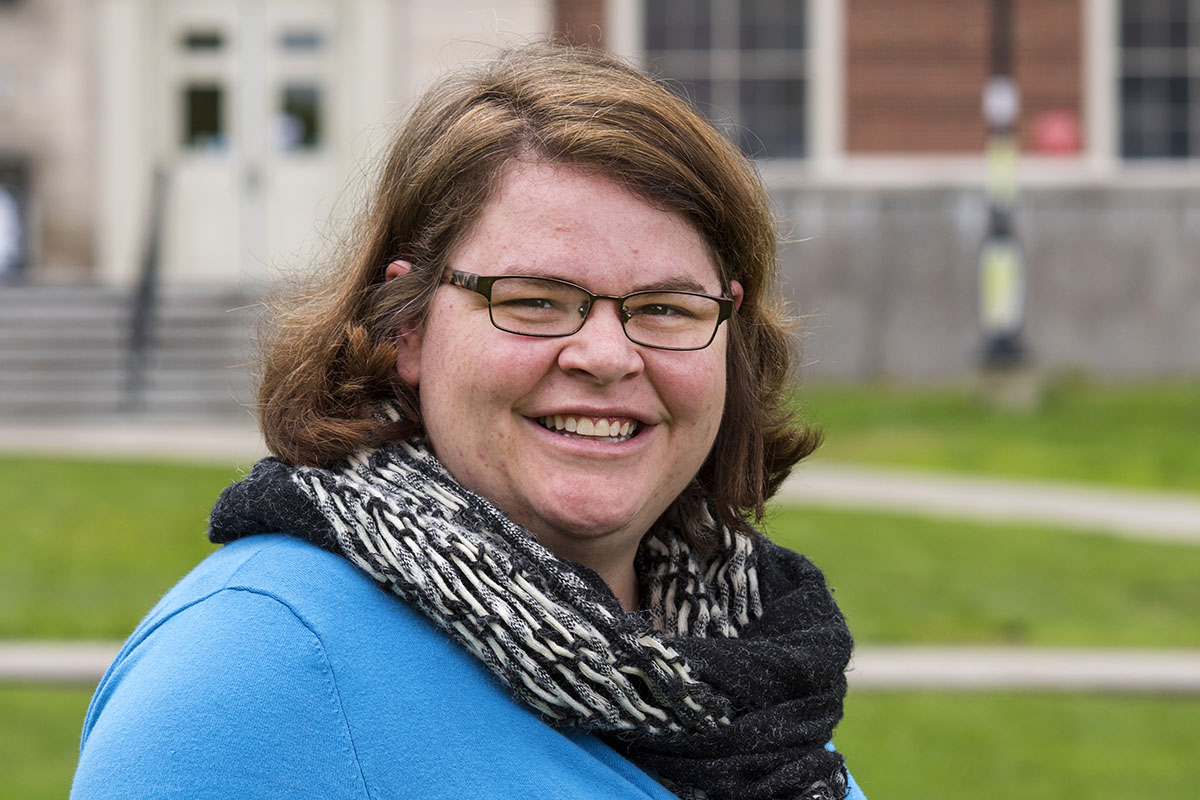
604,429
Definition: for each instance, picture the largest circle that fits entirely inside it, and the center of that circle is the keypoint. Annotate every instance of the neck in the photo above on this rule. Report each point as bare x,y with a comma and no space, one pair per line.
612,563
625,586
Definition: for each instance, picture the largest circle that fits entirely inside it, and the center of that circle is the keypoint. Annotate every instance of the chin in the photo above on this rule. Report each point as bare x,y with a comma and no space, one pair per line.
590,527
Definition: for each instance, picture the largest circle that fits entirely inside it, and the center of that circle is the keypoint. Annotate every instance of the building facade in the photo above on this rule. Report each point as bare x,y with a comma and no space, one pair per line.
865,116
47,147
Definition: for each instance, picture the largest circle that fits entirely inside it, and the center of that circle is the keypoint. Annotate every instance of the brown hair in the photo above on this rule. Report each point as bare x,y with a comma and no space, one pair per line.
331,361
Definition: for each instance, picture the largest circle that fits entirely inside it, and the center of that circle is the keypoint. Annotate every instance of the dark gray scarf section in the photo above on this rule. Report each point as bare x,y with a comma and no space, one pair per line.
728,682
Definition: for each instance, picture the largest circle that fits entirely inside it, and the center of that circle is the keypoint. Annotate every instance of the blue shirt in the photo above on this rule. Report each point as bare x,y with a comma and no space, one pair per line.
276,669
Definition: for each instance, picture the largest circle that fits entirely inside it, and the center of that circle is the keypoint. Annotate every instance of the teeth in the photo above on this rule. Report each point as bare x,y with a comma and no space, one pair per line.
585,426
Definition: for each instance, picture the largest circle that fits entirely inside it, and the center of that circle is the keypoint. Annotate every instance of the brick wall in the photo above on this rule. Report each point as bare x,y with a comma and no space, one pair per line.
579,21
915,70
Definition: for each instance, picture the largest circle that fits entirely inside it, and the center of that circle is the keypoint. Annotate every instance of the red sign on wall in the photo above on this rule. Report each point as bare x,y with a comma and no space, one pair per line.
1057,133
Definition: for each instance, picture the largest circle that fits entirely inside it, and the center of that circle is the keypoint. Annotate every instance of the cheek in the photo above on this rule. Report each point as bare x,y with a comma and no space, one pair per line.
471,373
698,392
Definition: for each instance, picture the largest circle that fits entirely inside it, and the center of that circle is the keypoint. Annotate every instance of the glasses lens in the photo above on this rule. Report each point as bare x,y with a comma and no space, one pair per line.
537,307
673,320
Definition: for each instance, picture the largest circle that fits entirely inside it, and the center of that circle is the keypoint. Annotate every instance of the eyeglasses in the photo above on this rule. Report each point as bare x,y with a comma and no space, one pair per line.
546,307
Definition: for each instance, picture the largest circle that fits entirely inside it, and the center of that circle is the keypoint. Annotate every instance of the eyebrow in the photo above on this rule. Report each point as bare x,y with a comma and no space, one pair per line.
673,283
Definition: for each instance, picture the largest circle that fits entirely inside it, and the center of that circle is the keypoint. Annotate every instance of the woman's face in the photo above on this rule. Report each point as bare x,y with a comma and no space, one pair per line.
485,394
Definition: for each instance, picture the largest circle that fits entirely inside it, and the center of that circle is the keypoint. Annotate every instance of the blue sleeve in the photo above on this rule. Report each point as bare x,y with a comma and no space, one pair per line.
232,696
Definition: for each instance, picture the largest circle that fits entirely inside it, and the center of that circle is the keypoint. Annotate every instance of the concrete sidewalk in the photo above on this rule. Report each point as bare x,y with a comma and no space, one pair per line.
230,442
878,667
1144,514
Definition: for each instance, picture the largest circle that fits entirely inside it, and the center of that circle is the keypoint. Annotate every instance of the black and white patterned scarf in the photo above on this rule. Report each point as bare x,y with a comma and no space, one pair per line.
726,684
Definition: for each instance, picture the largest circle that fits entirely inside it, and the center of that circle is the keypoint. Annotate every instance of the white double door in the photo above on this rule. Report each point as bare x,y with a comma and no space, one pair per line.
248,92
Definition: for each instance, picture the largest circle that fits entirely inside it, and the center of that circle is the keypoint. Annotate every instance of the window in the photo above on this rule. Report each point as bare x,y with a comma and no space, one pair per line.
301,40
742,59
203,40
13,219
299,117
203,117
1160,79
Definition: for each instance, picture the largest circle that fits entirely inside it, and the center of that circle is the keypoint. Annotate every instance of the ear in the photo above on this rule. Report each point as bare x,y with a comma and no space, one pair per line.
408,357
735,289
408,342
396,269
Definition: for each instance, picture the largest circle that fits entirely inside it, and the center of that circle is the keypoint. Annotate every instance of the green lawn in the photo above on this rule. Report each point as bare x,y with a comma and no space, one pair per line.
1139,436
88,547
900,746
910,579
1001,745
39,740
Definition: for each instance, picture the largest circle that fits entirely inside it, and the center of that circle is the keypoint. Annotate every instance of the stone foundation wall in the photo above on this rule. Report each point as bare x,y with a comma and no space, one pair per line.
888,280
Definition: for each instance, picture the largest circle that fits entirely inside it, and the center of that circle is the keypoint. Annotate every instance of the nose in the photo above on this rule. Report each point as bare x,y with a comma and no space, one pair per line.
600,348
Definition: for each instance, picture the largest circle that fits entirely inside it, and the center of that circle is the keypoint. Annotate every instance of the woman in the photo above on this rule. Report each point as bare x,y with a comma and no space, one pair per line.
534,405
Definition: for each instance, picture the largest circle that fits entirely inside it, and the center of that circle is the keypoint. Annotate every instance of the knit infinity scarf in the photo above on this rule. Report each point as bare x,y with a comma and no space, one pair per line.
727,684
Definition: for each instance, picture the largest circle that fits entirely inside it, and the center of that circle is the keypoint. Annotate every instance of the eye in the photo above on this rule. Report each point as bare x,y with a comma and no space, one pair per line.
662,310
529,302
663,307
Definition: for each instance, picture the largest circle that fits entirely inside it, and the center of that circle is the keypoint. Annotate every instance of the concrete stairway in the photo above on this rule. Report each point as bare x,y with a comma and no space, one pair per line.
64,352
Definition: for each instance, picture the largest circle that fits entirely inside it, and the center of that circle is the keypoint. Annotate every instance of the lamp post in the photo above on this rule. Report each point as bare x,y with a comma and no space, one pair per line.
1001,261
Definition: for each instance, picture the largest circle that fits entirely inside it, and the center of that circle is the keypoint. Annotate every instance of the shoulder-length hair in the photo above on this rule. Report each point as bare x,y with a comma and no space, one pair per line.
331,361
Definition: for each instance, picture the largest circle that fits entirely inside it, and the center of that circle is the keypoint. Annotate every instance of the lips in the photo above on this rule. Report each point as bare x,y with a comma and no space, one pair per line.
610,429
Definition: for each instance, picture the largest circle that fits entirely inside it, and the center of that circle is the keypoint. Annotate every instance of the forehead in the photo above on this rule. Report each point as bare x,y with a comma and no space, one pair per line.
561,222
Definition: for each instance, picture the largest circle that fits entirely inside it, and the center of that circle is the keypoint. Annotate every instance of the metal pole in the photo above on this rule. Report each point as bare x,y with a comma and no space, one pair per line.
1001,261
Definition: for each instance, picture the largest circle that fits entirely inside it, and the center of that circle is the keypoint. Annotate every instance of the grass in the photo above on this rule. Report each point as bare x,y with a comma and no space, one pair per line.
88,547
909,579
39,740
1137,436
1002,745
900,746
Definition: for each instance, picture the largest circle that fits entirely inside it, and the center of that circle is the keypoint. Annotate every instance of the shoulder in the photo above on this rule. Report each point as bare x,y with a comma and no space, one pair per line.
275,655
223,689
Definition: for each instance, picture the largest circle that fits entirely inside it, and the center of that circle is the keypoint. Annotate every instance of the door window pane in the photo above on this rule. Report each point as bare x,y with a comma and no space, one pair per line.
204,117
299,121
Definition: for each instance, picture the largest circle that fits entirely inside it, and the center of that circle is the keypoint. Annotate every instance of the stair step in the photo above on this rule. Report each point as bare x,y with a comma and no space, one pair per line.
64,351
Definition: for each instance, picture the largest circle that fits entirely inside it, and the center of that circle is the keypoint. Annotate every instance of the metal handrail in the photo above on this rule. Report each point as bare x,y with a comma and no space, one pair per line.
145,299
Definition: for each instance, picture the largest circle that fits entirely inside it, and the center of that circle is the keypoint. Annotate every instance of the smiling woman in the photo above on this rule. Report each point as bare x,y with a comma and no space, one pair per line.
540,403
587,496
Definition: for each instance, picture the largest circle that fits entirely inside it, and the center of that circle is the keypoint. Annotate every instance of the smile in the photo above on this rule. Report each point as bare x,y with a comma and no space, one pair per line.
609,429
